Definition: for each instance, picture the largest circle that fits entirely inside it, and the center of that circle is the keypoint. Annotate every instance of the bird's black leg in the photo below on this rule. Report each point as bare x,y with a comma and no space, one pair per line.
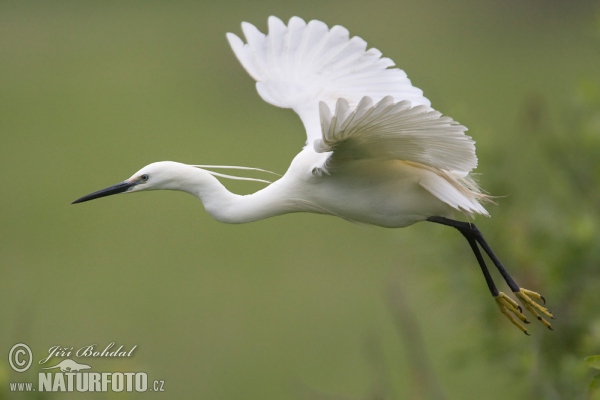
472,234
507,305
480,260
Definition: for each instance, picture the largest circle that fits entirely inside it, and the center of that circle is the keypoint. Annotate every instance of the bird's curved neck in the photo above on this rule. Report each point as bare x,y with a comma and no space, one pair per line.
228,207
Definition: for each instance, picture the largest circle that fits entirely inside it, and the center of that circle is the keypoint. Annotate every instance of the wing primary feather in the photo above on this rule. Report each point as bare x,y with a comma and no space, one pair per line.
277,30
256,47
242,51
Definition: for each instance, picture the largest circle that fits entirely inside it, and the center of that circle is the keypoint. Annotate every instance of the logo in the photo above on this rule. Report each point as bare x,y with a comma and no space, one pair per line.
69,366
69,375
20,357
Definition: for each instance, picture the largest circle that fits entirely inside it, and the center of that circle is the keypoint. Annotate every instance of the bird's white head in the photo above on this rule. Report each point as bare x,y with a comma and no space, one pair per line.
167,175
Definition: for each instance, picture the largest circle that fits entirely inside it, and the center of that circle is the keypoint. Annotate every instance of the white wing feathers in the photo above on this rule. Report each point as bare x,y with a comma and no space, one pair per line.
299,65
390,130
378,113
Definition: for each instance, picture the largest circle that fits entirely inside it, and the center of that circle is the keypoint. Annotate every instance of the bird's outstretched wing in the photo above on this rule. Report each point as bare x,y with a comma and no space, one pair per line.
394,130
299,65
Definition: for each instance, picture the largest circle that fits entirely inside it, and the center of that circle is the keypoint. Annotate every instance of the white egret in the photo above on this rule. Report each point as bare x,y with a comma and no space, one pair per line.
376,152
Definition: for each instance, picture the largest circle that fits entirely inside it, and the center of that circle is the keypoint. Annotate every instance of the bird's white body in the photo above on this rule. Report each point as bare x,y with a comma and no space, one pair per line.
383,193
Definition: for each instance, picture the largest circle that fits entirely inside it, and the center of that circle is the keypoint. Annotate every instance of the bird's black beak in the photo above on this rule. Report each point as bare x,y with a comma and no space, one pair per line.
115,189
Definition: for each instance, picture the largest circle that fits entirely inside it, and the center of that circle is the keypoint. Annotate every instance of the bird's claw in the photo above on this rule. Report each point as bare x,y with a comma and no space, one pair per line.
514,312
525,296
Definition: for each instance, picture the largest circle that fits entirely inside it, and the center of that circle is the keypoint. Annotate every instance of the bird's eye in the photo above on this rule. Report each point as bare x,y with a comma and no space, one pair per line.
144,178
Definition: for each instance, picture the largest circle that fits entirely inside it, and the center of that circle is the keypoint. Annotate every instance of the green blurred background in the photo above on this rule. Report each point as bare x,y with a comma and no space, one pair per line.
299,306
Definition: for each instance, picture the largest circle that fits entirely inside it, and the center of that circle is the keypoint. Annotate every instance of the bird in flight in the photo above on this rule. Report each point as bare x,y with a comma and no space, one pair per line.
376,152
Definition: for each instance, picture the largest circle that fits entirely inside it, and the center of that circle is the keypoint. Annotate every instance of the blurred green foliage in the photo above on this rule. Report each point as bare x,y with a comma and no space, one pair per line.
299,306
594,362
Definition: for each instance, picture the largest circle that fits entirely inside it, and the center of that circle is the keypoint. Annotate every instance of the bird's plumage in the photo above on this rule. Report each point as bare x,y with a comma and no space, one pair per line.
299,65
394,131
356,107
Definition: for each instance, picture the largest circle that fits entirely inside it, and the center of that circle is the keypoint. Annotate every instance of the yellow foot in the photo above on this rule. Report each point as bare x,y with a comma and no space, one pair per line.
534,308
514,312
